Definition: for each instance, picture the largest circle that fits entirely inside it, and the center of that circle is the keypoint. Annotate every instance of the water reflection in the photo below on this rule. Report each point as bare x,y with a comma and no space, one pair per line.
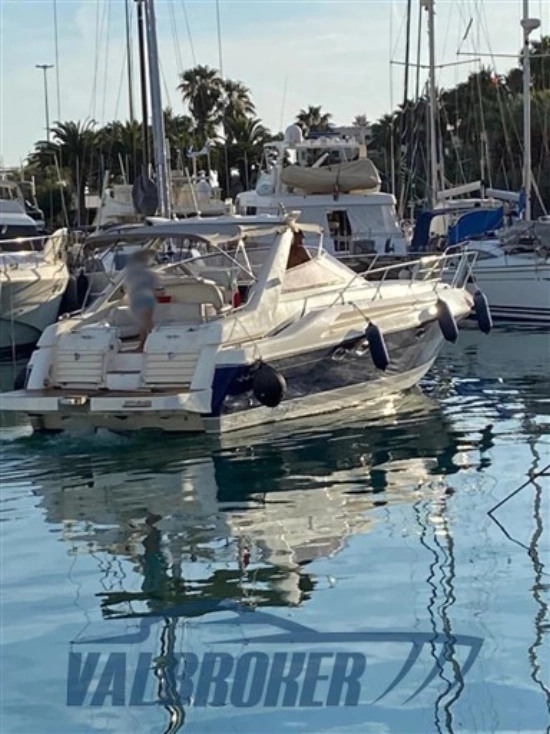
274,505
263,521
242,521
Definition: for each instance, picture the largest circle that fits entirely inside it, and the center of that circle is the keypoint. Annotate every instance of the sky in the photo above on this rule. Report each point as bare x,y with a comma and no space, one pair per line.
290,53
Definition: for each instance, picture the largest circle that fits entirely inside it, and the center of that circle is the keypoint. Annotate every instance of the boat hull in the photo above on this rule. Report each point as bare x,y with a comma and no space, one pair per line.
367,395
28,306
516,293
320,381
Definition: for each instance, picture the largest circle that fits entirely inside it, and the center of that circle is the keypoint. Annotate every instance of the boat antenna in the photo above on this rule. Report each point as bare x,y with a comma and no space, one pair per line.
283,102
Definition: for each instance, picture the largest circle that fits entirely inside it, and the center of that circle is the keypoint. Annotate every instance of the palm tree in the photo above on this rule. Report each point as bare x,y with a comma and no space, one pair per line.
181,133
75,149
122,145
540,63
360,121
236,100
202,89
313,118
248,136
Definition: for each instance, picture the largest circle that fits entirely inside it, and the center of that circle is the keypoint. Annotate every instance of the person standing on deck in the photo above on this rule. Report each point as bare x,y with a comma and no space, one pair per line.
141,284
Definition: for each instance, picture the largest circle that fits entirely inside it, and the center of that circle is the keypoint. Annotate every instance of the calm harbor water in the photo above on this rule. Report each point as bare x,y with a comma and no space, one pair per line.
334,535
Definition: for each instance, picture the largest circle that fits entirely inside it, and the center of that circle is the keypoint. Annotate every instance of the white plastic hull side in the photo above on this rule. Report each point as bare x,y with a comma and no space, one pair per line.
374,392
28,306
517,293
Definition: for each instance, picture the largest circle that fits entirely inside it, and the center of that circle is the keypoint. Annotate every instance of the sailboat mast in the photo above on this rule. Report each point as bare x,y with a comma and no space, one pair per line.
143,86
159,140
528,24
434,187
129,64
405,118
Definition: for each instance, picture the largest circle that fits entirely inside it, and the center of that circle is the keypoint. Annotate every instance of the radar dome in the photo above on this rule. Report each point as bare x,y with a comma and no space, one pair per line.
293,134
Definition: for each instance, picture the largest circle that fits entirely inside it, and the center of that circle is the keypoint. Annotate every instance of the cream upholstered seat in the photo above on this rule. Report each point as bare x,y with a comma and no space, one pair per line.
191,301
192,290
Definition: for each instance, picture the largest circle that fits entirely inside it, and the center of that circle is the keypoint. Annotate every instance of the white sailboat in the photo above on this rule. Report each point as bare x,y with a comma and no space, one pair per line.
515,273
513,263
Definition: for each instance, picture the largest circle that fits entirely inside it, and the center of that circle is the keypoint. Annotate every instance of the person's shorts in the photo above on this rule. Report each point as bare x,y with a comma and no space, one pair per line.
143,304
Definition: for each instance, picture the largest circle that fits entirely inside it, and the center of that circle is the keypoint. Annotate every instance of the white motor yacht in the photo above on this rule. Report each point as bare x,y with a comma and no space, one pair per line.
33,279
14,220
335,186
253,329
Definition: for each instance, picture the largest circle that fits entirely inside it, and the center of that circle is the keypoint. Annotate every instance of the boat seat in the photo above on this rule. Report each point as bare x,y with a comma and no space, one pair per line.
123,319
183,313
223,278
193,300
191,290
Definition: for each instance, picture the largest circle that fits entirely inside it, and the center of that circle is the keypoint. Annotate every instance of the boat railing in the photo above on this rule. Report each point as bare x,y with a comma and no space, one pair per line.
35,245
454,268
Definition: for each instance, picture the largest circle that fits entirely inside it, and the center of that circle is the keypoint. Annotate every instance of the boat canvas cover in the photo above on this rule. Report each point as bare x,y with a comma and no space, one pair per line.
360,175
476,223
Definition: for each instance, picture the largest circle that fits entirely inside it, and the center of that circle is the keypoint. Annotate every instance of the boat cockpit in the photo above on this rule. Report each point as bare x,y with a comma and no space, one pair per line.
213,276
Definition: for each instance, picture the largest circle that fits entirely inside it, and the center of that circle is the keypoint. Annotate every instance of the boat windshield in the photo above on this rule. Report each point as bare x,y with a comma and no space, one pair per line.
8,192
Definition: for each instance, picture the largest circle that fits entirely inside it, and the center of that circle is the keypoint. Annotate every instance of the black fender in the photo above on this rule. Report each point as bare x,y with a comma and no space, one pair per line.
268,386
447,322
482,312
377,346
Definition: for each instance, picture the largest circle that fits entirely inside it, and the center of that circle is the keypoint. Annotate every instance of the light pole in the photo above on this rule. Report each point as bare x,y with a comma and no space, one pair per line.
529,25
45,68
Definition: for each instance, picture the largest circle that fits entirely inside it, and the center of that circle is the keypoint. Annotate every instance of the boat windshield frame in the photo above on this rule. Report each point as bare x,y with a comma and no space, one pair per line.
151,243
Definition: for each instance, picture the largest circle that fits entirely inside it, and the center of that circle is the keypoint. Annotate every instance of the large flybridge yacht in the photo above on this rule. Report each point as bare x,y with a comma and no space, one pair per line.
251,328
334,185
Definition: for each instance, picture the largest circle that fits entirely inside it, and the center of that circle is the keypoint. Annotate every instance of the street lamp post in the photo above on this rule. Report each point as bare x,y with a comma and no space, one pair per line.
45,68
529,25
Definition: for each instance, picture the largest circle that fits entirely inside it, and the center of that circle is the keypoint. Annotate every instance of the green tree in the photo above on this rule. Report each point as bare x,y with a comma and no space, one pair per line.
202,89
313,118
540,63
236,100
76,152
248,137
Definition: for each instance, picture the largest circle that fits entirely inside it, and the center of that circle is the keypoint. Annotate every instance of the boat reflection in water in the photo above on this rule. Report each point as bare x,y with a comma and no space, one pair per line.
239,525
244,497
